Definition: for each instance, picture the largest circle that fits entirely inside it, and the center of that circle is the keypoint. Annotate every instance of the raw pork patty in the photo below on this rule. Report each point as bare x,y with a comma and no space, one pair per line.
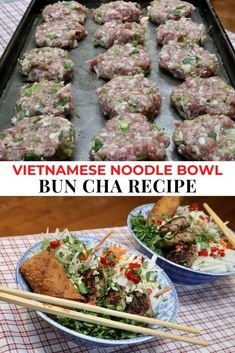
207,138
117,10
61,34
184,59
130,94
129,137
197,96
62,9
47,64
181,30
44,98
117,32
160,11
124,59
38,138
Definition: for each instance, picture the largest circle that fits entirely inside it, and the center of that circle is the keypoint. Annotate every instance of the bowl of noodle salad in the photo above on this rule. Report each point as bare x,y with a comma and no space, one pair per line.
189,246
107,274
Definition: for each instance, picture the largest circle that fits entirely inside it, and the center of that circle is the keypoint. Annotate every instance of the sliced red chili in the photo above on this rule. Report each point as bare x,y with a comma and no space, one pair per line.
132,277
159,221
134,265
179,247
106,261
214,249
54,244
203,252
221,252
194,207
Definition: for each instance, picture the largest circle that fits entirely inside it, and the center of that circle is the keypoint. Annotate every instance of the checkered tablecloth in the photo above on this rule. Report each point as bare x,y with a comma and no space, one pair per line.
11,12
211,308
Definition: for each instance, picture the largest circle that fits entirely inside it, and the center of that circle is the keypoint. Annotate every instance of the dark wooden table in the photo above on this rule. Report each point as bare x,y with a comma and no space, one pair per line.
226,12
29,215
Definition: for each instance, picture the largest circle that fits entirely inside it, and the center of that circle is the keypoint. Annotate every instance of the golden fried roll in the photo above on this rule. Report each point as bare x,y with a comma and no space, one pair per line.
45,275
166,206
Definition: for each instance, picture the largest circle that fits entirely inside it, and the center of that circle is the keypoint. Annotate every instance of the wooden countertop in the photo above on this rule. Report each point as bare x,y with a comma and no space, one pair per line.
226,12
30,215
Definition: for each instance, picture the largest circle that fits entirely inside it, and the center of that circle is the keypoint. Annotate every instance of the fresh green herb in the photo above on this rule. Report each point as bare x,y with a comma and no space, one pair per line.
188,60
45,244
148,275
31,156
100,331
30,90
98,16
134,108
124,125
96,144
146,232
135,40
204,239
212,135
141,156
134,51
82,288
97,43
67,66
61,103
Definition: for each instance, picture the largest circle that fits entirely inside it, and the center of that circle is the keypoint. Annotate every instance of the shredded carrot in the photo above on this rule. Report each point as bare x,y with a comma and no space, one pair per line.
163,291
101,242
223,244
117,250
229,246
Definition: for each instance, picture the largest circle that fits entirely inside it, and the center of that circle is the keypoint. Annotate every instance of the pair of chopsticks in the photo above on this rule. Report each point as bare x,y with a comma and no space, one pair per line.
52,305
221,225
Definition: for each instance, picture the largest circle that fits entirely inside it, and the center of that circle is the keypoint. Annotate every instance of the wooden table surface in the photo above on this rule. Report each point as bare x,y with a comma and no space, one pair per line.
30,215
226,12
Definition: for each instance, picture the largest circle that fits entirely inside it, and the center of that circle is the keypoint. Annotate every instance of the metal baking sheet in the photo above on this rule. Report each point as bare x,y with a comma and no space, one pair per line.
85,83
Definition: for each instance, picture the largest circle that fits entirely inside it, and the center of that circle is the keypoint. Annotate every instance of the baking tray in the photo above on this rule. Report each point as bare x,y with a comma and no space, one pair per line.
85,83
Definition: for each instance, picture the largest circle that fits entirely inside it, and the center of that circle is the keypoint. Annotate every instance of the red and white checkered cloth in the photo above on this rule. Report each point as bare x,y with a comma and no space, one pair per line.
211,308
11,13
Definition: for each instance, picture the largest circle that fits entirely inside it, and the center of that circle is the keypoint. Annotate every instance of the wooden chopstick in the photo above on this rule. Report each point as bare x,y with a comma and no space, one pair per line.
95,309
221,225
55,310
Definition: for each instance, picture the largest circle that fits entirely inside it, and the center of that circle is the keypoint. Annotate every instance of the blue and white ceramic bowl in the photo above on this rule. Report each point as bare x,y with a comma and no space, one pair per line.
177,273
167,309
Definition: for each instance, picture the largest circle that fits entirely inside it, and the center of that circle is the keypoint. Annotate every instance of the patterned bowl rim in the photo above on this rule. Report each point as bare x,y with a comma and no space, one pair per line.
147,205
21,283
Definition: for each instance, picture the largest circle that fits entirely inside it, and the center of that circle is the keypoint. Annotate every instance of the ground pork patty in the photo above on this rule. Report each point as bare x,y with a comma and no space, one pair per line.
47,64
185,59
117,10
38,138
207,138
130,94
44,98
62,9
160,11
129,137
59,33
118,32
124,59
181,30
197,96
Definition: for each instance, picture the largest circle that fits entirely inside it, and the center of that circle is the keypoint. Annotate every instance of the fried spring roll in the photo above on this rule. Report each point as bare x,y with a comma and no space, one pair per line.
166,206
45,275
